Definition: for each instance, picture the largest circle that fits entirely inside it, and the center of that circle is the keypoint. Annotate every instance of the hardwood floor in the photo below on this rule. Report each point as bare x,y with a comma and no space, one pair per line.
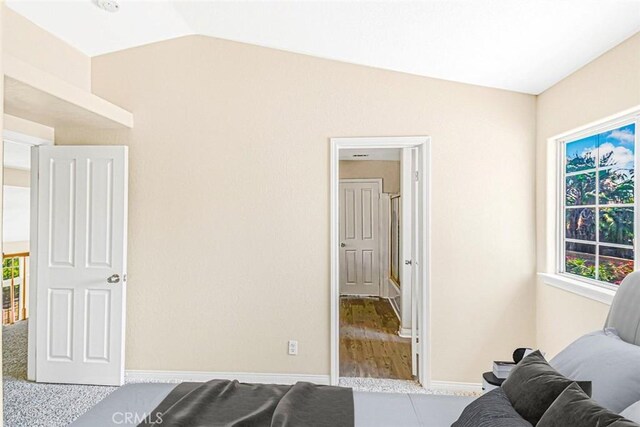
369,343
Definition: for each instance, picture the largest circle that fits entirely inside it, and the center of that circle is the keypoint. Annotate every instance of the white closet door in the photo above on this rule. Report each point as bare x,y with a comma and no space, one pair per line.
359,245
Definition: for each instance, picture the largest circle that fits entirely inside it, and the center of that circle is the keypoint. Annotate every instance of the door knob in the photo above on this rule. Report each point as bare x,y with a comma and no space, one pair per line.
342,245
115,278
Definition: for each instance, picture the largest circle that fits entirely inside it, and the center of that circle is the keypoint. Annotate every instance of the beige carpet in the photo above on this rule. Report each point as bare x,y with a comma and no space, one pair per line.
32,404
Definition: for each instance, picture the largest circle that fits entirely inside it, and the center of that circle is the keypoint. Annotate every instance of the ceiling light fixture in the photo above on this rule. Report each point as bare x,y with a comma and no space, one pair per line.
108,5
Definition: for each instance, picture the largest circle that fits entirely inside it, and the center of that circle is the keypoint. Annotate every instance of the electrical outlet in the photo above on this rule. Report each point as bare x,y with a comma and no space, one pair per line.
293,348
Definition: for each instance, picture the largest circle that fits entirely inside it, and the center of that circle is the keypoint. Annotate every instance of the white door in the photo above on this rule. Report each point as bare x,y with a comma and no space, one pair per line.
81,268
410,246
359,245
415,256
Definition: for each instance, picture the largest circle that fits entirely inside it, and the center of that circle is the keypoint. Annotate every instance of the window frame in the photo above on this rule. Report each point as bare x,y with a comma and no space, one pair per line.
15,263
561,207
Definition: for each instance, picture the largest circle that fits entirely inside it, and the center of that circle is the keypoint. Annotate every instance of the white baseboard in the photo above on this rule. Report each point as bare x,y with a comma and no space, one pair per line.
392,285
245,377
405,332
395,308
139,376
393,299
455,386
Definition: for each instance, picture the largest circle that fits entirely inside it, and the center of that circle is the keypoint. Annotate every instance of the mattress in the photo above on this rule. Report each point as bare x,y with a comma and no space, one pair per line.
128,405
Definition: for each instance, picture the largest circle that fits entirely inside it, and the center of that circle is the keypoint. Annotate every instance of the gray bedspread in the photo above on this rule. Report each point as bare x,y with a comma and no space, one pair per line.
130,404
231,403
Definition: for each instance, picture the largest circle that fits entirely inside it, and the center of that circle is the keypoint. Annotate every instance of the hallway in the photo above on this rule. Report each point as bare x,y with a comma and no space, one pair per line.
369,344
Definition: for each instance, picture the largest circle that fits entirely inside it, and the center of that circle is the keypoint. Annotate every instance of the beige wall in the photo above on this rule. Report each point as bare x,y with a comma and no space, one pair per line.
17,177
606,86
33,45
27,127
250,119
229,204
388,170
15,247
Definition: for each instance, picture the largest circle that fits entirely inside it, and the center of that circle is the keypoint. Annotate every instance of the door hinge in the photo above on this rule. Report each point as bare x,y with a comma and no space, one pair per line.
417,176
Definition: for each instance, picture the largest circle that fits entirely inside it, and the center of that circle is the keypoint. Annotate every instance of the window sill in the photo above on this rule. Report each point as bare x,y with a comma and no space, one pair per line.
578,287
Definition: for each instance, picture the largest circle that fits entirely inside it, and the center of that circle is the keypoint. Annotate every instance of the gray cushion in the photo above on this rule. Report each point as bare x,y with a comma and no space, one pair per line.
533,385
491,410
612,366
632,412
573,408
624,314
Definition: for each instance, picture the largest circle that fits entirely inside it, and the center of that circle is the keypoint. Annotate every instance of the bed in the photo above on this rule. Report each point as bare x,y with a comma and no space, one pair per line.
131,403
595,381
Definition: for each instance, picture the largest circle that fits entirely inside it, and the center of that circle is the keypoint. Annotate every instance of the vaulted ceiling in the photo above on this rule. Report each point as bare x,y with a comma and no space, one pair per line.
521,45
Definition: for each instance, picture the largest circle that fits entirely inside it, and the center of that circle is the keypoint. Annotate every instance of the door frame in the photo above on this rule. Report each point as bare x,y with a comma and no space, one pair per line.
407,214
33,268
423,144
380,253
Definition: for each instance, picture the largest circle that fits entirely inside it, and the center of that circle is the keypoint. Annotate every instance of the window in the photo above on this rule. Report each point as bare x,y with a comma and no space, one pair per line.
10,268
598,204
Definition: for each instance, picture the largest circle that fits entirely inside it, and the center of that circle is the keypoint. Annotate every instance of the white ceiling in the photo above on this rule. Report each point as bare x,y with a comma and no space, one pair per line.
370,154
521,45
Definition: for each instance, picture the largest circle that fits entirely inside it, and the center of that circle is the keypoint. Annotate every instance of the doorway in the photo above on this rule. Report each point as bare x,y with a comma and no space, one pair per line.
34,167
79,268
379,258
64,260
16,235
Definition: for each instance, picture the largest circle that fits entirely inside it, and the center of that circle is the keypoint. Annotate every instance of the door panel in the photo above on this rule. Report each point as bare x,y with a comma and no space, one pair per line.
359,242
350,265
367,267
97,318
80,242
62,220
350,213
100,212
367,220
60,341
